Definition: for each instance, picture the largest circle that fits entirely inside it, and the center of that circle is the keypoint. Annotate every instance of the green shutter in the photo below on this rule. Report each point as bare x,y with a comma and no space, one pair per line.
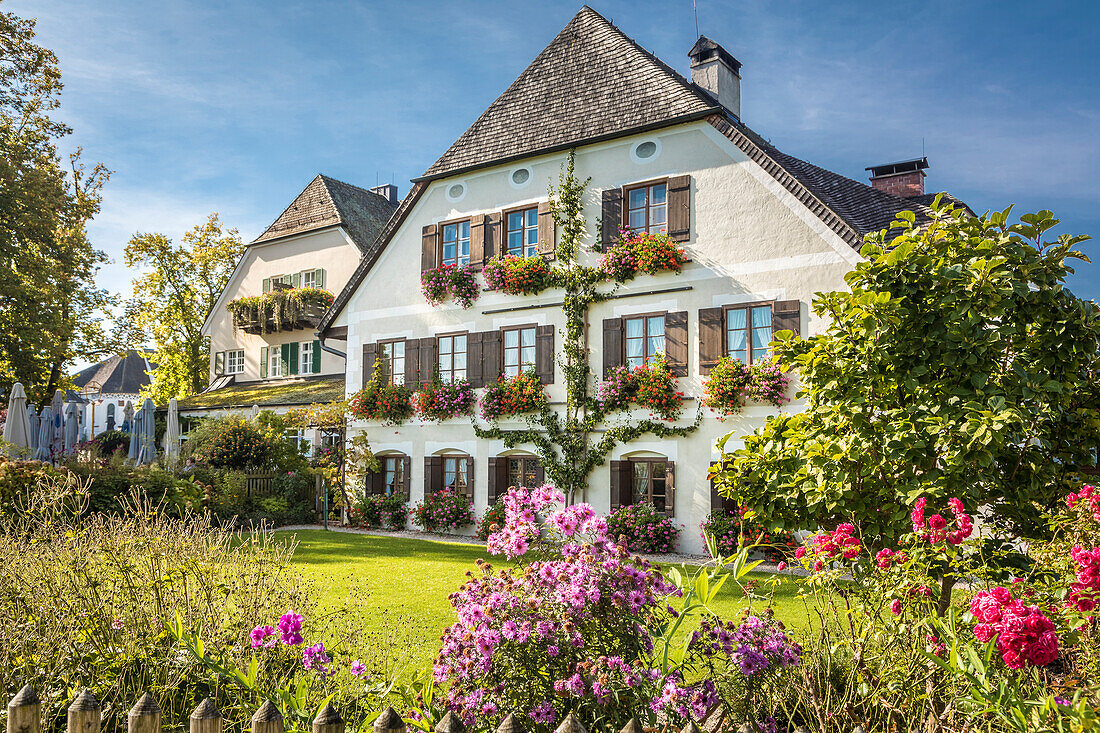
284,360
316,357
292,359
267,285
296,280
219,363
319,277
263,362
288,280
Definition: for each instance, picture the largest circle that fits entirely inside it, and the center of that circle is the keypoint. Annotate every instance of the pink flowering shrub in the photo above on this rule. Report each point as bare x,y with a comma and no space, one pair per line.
732,383
641,528
443,511
449,281
439,401
1024,634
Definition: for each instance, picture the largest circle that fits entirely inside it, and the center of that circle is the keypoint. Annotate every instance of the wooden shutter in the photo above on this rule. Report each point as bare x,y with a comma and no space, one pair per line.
787,316
612,344
620,484
717,501
316,352
679,208
475,374
547,231
219,363
378,480
406,483
676,340
296,280
412,362
470,478
427,360
540,473
292,358
612,218
544,354
711,327
477,241
263,362
266,285
492,235
492,356
370,355
284,360
670,489
494,478
319,277
428,248
433,474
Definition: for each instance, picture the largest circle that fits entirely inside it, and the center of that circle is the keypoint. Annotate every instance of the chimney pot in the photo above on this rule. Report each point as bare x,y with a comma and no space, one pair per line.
387,191
904,179
716,71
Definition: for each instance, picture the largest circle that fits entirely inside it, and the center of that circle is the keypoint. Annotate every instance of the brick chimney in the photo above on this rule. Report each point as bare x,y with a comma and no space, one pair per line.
904,178
716,71
387,191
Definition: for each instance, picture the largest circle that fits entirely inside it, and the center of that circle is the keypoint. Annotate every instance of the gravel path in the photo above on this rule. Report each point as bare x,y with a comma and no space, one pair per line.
662,559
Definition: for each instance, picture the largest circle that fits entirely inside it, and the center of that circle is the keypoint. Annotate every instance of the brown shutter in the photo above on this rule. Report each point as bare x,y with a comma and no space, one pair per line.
412,361
492,235
547,232
670,489
620,484
494,478
540,473
470,478
477,241
378,479
787,316
370,355
428,248
491,356
433,474
475,372
679,208
612,344
676,342
544,354
612,218
406,484
710,338
427,360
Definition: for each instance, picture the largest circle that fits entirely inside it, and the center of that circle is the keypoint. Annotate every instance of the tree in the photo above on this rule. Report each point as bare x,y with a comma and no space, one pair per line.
957,365
50,310
565,440
173,299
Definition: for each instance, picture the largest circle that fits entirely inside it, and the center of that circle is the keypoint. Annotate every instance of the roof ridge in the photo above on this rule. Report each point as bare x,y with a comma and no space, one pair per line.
327,179
292,202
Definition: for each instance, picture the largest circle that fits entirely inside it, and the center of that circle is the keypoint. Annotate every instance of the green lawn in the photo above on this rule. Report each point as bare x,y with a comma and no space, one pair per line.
405,583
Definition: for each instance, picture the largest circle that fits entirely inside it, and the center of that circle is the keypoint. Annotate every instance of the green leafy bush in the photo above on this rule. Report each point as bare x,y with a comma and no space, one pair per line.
377,511
110,442
491,521
728,527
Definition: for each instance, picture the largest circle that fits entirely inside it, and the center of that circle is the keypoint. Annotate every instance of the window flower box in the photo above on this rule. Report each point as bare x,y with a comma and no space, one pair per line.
513,396
287,309
651,386
441,401
449,282
517,275
638,252
732,383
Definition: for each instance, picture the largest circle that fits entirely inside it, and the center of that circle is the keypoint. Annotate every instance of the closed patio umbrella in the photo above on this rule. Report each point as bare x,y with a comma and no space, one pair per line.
45,435
17,429
148,453
254,412
135,437
72,425
128,417
172,433
32,418
57,435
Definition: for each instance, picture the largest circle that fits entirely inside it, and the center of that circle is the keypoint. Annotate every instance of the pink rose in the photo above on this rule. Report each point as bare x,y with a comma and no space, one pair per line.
984,632
1043,650
937,522
895,606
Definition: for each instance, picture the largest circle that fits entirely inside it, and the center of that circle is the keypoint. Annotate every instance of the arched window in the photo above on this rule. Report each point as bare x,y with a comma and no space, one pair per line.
513,470
644,479
453,471
392,477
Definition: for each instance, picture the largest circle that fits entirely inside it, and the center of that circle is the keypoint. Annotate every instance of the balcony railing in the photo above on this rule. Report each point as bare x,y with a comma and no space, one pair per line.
285,309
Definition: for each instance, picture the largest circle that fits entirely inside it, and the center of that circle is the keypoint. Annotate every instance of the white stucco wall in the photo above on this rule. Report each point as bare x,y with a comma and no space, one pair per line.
329,249
750,240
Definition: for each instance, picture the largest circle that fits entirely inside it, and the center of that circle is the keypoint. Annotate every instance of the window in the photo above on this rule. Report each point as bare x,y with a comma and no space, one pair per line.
749,332
305,357
393,475
313,278
523,232
301,440
234,361
456,472
393,354
650,482
647,208
456,244
452,357
274,361
645,338
523,471
519,350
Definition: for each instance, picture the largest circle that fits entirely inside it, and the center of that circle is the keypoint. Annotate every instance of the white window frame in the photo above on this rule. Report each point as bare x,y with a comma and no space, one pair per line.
305,357
234,361
274,361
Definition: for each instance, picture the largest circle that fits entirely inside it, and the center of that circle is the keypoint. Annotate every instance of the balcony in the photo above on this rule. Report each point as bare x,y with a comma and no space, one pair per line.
283,309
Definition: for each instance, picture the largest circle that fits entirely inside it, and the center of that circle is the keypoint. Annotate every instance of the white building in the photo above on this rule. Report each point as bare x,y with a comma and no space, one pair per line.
107,387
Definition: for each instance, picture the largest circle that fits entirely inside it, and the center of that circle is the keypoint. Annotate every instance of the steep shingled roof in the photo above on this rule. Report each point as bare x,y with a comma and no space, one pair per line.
591,82
327,202
124,374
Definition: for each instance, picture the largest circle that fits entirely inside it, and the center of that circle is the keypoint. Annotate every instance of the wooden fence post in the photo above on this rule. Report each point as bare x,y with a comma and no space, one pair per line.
570,725
389,722
206,718
632,726
267,719
25,712
328,720
510,724
84,714
450,723
144,716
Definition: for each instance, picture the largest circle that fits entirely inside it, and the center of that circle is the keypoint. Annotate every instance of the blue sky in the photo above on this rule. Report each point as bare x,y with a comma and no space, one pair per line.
205,105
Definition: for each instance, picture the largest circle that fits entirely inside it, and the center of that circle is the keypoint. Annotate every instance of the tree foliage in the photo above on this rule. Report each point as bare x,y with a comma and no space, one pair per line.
957,365
50,310
173,298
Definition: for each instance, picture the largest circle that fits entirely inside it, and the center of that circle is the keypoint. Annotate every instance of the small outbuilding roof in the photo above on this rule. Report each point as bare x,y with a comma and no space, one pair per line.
120,374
